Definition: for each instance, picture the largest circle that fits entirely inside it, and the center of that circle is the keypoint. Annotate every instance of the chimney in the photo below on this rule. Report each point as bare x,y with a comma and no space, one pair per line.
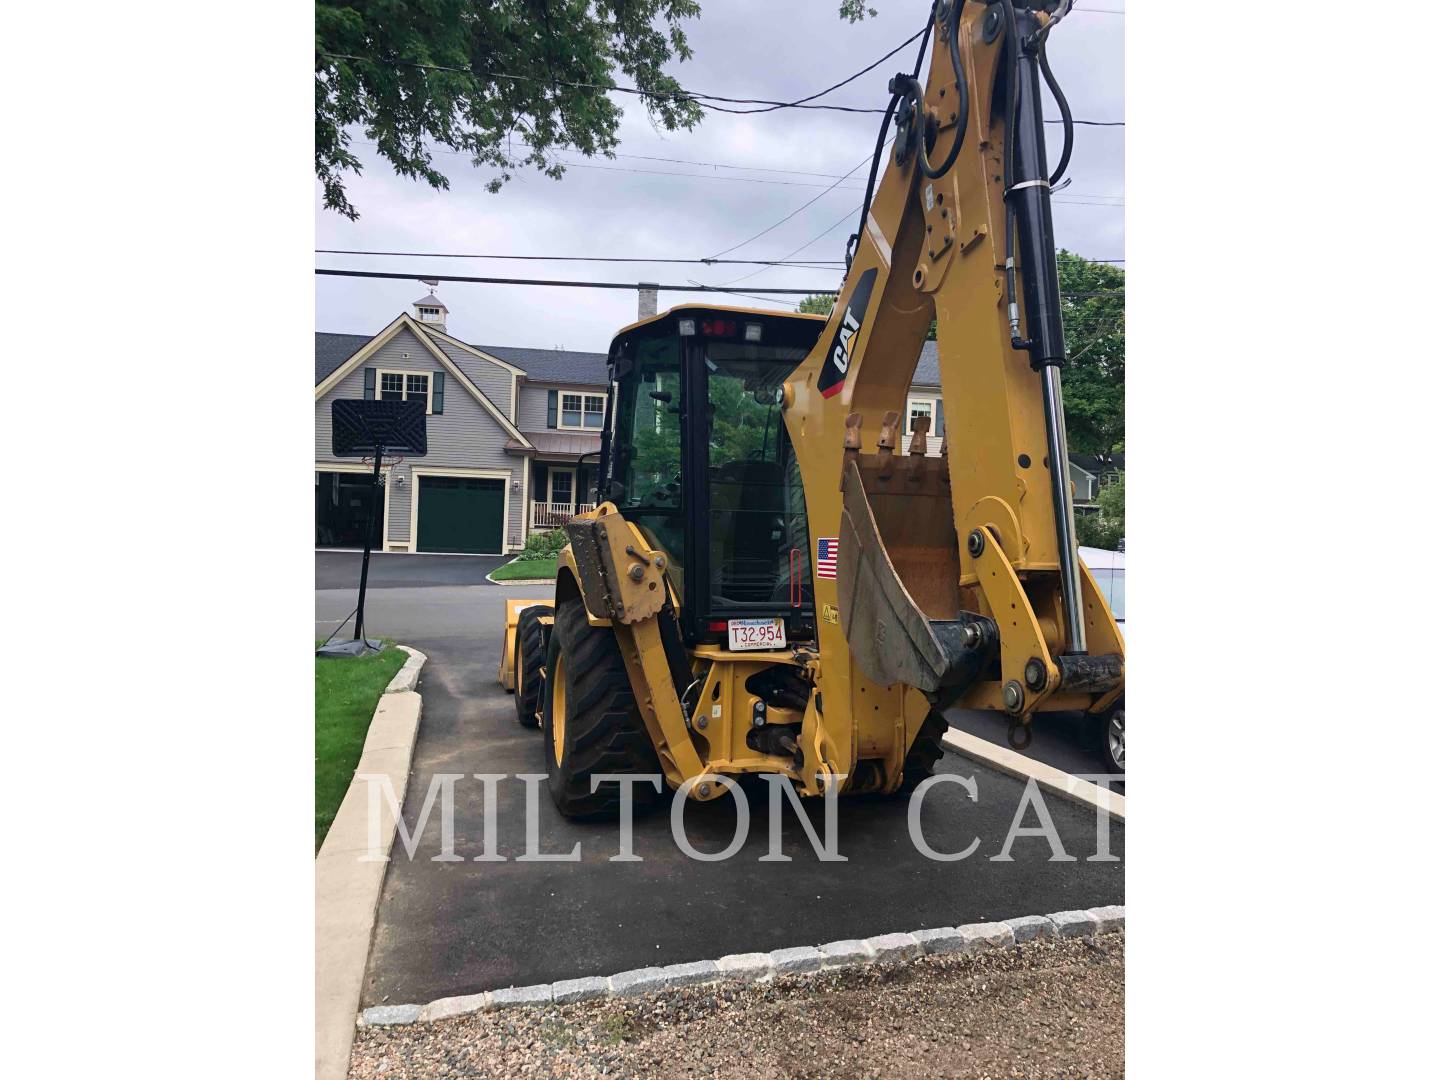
649,299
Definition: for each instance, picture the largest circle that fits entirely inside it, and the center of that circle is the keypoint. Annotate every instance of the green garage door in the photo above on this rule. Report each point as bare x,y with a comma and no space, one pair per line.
461,514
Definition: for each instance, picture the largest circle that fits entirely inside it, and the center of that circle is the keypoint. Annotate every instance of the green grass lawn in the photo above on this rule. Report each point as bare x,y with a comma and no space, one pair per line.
525,568
346,693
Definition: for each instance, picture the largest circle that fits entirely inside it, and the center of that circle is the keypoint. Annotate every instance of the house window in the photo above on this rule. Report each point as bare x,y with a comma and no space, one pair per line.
430,314
562,486
582,411
405,386
919,407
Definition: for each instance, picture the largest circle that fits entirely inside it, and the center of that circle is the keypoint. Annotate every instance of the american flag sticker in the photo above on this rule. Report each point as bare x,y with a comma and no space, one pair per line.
827,549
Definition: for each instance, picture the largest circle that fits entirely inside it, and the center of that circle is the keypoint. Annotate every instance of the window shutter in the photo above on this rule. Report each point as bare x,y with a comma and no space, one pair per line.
369,384
939,419
437,392
552,418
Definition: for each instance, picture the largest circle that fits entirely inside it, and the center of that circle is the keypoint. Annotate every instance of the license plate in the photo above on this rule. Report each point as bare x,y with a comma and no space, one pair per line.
757,634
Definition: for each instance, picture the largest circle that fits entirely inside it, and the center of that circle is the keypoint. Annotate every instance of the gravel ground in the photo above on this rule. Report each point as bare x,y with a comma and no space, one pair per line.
1052,1008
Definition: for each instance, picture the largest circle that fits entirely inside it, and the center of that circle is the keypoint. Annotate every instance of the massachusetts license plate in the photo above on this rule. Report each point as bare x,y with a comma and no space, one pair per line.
757,634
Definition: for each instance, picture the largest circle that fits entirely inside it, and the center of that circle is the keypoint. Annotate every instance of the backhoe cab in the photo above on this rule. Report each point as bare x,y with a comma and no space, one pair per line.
771,582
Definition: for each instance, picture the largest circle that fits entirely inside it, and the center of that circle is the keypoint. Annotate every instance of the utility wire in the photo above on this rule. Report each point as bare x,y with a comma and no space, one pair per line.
802,247
813,264
628,285
787,217
768,105
1078,198
679,94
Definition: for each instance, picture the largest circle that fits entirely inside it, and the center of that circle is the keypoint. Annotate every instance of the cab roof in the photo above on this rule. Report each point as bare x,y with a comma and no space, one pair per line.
707,308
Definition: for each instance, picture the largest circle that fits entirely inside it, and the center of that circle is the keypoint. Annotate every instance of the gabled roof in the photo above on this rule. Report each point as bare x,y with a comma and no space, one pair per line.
555,365
927,371
1095,465
404,321
332,350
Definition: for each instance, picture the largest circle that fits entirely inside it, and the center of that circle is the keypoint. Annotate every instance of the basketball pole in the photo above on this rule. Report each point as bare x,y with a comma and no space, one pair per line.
369,531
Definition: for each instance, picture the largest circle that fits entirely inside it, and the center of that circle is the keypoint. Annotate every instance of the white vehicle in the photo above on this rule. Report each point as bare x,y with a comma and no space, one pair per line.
1108,569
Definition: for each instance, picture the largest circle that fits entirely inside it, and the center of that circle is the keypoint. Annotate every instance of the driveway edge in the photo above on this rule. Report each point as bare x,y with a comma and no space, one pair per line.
754,967
1056,781
347,885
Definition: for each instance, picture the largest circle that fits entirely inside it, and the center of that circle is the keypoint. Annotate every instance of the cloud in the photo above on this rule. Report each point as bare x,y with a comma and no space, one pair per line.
742,48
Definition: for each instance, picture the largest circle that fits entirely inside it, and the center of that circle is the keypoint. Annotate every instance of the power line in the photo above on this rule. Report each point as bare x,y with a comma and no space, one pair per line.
814,264
808,263
803,246
787,217
628,285
1077,198
768,105
679,94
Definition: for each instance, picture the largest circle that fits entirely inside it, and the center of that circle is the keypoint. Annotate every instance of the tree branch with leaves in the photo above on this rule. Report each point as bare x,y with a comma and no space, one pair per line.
505,83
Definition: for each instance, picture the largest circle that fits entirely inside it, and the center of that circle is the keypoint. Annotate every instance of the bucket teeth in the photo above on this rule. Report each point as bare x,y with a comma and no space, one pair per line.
852,442
885,446
919,444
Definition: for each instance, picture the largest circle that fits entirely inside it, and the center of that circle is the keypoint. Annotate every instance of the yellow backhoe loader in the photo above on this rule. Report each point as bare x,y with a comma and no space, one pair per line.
774,580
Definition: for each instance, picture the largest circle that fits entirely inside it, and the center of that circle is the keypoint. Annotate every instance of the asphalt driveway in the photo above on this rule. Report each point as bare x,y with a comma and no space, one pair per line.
341,570
458,927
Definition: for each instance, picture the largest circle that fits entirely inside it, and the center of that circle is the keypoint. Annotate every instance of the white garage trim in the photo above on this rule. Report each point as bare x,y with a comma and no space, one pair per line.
356,467
417,471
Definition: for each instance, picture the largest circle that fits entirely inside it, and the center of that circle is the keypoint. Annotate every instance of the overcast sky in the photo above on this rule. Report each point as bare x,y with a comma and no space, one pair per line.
743,48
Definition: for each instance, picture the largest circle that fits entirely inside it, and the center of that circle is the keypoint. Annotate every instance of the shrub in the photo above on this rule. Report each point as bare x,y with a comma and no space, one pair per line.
1106,527
544,545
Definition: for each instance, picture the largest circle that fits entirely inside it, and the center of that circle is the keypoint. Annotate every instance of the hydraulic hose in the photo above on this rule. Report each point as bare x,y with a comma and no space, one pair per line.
895,96
1063,105
1012,112
962,86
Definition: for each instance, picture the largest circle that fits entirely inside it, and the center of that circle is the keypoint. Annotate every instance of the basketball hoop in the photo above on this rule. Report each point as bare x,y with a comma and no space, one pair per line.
379,427
387,461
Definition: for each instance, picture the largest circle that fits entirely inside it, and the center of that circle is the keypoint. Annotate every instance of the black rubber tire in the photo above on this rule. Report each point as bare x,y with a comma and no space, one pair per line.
925,751
1113,763
530,665
603,731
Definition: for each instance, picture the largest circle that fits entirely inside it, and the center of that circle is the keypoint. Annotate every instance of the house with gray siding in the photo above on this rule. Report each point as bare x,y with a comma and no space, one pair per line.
513,437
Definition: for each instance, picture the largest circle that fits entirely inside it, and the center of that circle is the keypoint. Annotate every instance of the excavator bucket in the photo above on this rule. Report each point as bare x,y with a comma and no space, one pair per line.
930,644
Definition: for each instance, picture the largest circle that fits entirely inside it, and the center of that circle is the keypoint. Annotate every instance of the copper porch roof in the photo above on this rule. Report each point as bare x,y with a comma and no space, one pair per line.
567,443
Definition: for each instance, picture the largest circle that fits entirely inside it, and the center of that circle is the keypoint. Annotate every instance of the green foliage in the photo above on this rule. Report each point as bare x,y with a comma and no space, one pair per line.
525,569
511,100
544,544
817,304
1105,528
741,429
855,10
1094,375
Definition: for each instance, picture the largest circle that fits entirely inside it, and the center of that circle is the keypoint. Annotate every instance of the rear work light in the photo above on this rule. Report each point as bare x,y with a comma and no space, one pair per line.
752,331
686,327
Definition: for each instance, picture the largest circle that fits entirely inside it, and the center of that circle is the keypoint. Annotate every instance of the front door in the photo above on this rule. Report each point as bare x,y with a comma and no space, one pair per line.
562,488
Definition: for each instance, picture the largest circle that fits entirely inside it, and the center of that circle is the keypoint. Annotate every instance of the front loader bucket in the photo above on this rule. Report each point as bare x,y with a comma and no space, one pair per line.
931,646
513,608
